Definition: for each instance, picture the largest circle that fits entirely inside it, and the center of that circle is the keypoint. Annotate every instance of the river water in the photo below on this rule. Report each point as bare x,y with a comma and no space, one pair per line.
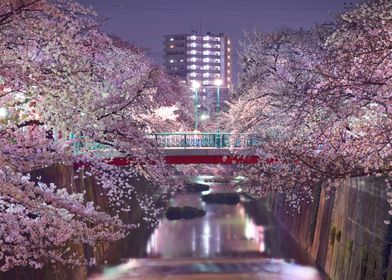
242,241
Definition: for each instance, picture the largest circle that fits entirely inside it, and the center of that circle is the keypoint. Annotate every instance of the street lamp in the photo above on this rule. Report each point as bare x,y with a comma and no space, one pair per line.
195,86
218,83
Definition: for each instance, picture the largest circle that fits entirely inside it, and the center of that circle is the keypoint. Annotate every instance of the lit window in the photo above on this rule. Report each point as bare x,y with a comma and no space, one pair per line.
206,67
181,60
171,46
216,46
229,49
216,53
171,60
193,37
193,74
228,63
193,67
171,39
228,78
192,52
193,59
228,42
207,46
217,68
206,52
206,82
206,75
217,60
217,75
217,39
193,45
206,59
228,71
206,38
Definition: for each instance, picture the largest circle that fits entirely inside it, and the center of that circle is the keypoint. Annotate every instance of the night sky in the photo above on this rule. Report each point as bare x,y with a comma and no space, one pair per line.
144,22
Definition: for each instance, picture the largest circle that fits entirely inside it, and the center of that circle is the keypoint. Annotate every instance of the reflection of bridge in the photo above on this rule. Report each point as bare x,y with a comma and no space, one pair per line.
189,148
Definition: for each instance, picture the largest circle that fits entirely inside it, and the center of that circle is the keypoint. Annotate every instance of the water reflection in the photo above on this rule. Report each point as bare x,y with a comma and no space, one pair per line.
225,231
246,231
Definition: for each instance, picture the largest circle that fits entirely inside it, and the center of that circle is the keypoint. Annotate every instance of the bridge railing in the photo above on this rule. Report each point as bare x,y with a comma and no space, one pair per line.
81,144
202,139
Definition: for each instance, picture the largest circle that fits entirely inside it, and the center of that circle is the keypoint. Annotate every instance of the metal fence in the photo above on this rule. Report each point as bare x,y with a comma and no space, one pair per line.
202,139
81,144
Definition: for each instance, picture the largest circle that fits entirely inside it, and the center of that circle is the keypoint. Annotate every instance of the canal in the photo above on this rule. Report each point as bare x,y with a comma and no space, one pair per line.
241,241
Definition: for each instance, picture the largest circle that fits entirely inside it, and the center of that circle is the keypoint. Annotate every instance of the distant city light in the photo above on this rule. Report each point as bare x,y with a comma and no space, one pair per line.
3,113
218,82
204,117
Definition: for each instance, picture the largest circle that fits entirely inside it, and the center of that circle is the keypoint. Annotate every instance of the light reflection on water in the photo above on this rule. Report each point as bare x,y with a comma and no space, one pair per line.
226,232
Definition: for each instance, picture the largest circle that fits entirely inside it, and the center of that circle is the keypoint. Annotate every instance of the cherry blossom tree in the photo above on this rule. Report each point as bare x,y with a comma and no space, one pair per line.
319,101
61,75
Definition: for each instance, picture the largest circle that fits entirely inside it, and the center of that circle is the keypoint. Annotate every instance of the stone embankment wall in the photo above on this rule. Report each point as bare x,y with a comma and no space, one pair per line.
343,230
66,177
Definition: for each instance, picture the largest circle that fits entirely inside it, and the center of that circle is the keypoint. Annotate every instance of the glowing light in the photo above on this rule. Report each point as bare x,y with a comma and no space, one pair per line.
218,82
171,39
3,113
193,37
171,46
195,85
204,117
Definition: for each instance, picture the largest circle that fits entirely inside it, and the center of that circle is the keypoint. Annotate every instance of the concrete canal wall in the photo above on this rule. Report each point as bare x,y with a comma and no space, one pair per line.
343,230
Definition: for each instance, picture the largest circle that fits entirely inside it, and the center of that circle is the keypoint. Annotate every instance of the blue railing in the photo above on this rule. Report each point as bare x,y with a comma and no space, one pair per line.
81,144
202,139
